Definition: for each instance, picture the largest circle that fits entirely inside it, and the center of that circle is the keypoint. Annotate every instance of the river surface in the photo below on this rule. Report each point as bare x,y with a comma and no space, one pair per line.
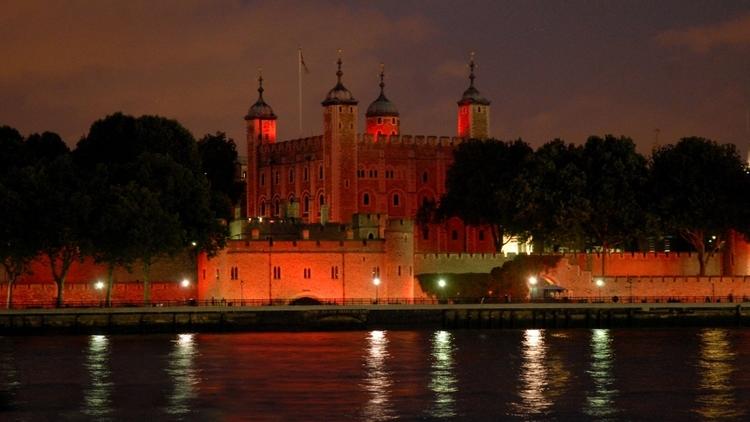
600,374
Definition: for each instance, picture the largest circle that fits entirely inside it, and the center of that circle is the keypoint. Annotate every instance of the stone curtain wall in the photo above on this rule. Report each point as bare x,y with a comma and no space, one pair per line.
642,264
75,292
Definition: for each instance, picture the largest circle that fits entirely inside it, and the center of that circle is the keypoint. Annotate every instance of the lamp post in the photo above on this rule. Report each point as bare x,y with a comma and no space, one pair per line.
441,284
376,282
99,285
242,294
532,283
599,285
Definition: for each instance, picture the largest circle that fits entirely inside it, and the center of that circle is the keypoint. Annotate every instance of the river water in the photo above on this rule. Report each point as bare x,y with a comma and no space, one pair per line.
599,374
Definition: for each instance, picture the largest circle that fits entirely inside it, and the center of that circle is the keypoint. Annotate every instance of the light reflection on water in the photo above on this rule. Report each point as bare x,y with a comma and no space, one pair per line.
182,372
378,380
443,382
97,400
716,398
600,402
533,377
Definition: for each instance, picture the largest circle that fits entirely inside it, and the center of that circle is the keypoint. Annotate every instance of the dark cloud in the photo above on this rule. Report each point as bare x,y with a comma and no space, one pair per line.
552,69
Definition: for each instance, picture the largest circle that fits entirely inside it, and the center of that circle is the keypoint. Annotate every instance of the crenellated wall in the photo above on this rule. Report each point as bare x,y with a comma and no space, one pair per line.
644,263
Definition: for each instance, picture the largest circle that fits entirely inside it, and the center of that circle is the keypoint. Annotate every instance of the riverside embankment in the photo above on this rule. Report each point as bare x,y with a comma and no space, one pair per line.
333,317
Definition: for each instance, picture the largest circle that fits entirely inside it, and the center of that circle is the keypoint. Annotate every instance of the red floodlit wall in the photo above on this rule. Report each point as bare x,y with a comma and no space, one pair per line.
645,264
29,293
165,275
325,270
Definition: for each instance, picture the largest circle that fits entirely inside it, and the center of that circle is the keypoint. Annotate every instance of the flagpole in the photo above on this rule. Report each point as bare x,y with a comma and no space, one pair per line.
299,85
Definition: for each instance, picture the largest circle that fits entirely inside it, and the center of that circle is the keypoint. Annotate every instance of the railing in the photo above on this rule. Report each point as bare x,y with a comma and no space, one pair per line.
382,301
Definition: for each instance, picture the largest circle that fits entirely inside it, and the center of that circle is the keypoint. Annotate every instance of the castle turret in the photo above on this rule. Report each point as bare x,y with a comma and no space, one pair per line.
473,111
261,129
382,116
339,152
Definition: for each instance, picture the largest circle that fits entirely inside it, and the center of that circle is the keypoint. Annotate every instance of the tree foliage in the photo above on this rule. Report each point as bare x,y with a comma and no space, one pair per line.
484,186
219,162
699,190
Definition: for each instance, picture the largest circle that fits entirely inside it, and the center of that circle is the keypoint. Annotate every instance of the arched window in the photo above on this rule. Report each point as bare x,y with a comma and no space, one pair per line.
304,174
320,172
276,208
396,200
321,200
262,208
263,178
424,177
366,199
306,205
291,175
454,235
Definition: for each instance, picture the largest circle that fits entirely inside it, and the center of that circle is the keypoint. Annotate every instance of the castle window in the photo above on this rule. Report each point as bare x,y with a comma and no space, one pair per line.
426,233
366,199
396,200
399,270
424,177
361,173
304,174
320,172
351,109
334,272
276,208
263,179
481,234
341,109
276,177
340,125
244,175
204,273
291,175
262,207
454,235
380,120
393,120
351,125
234,273
277,273
306,205
322,200
307,273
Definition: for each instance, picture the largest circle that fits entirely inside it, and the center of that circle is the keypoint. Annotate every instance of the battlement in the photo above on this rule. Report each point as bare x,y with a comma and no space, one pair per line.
301,145
384,141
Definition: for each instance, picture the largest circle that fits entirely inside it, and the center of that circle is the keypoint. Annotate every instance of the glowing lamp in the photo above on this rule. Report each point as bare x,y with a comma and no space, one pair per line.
99,285
532,280
441,283
185,283
376,281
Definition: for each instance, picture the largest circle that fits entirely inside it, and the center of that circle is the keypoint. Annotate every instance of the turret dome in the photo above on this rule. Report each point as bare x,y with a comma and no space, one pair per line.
339,95
382,106
260,110
472,95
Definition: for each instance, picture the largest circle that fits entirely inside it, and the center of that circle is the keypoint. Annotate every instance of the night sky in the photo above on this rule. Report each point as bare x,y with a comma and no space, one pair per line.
552,69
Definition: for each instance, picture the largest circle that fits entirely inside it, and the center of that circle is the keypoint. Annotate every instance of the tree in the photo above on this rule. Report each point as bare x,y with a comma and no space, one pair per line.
699,190
62,207
46,146
11,148
155,163
219,161
616,181
484,185
18,245
556,208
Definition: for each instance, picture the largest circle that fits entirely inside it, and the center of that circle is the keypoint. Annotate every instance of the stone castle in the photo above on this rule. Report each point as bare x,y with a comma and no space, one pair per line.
326,215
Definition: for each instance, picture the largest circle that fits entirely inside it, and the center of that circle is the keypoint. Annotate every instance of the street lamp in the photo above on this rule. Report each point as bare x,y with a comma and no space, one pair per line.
532,283
441,284
599,284
376,282
185,283
99,285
